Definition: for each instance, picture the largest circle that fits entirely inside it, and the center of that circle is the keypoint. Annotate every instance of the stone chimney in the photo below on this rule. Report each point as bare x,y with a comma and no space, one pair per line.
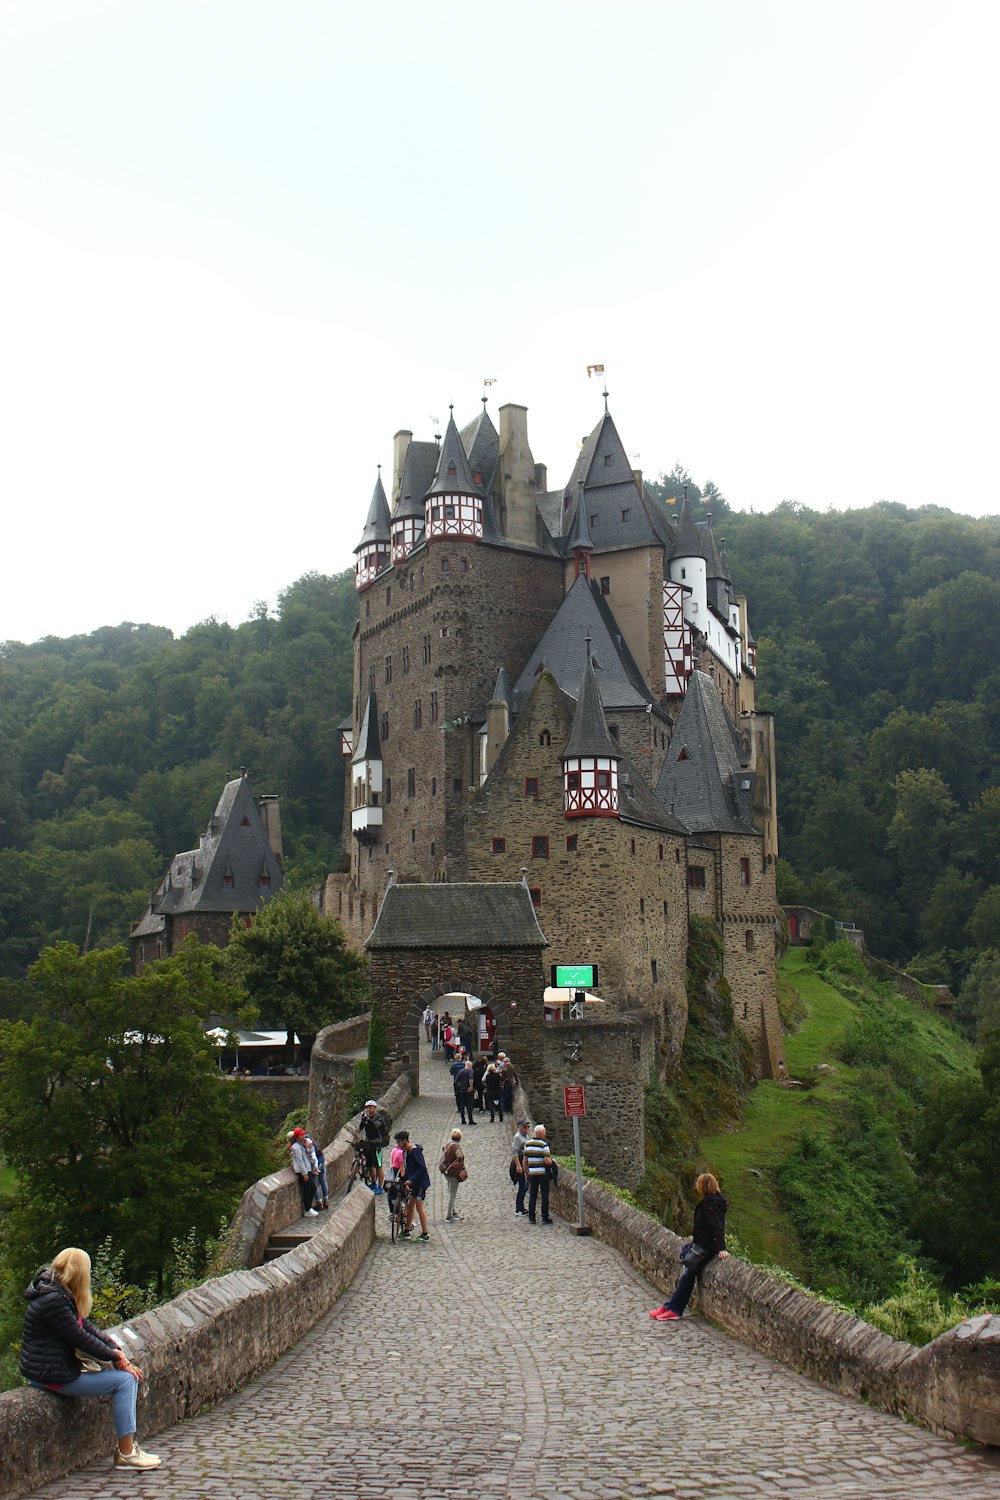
497,730
637,476
517,475
541,478
400,443
267,806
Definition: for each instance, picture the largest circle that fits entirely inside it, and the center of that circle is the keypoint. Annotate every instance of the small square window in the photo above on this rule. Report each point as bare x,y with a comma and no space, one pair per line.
608,460
654,970
605,585
593,521
613,731
434,786
411,782
571,843
604,783
572,781
464,565
445,567
642,906
666,908
531,786
661,852
633,847
499,846
696,877
626,513
413,835
388,798
744,872
535,893
456,783
539,847
433,846
385,726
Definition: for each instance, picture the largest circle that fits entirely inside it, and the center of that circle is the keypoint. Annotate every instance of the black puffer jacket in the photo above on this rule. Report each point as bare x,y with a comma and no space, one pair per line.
710,1223
52,1331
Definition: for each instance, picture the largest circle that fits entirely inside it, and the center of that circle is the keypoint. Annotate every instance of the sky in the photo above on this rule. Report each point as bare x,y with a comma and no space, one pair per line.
242,243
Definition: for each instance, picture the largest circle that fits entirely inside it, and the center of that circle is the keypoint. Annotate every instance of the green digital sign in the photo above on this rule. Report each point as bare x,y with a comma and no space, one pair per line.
574,976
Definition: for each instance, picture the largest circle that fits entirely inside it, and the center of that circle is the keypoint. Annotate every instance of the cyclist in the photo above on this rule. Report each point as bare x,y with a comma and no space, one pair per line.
417,1177
374,1127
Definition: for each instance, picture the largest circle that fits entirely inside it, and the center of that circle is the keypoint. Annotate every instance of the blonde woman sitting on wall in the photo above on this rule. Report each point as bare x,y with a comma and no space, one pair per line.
59,1336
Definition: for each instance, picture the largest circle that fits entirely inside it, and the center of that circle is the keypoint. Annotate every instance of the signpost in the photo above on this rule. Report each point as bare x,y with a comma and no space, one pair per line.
575,1109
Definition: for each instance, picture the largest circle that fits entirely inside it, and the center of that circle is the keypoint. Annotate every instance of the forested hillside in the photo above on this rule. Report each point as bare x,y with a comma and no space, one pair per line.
877,637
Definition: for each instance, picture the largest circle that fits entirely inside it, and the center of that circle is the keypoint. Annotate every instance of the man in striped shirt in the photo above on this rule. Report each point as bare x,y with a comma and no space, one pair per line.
537,1162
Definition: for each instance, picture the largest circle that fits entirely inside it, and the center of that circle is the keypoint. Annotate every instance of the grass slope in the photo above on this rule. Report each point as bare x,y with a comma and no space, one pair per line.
774,1117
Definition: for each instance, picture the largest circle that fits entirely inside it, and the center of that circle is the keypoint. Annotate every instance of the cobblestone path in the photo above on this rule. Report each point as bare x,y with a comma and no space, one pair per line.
505,1360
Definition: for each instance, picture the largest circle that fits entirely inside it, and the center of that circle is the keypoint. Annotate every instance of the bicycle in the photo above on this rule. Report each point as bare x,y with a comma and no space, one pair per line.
398,1192
361,1169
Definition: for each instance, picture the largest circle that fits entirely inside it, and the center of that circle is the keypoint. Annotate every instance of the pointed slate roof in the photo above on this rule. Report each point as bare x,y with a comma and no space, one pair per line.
368,746
581,538
710,550
453,455
482,443
418,473
477,915
377,526
620,514
589,735
702,776
687,541
563,649
502,692
235,845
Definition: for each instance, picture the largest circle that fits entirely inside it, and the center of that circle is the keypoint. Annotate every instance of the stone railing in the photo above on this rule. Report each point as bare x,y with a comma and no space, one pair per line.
207,1343
951,1385
273,1202
195,1350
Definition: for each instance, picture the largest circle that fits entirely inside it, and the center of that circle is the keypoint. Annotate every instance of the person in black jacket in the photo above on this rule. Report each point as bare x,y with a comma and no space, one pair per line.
709,1242
58,1335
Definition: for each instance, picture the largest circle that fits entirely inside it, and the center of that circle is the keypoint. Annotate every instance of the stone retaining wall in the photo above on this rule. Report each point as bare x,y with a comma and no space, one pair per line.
331,1073
951,1385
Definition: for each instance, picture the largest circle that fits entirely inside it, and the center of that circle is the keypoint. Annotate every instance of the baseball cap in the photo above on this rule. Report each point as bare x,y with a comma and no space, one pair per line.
373,1102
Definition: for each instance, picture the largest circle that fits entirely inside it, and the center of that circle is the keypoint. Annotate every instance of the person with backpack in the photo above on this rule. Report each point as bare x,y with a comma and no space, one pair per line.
465,1092
418,1179
493,1092
452,1167
374,1129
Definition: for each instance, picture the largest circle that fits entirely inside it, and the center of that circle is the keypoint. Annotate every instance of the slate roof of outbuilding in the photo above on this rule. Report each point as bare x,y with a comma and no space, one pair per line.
457,916
235,844
702,775
563,649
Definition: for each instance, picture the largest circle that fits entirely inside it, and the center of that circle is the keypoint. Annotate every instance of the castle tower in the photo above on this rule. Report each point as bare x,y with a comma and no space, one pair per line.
372,552
366,778
591,757
453,506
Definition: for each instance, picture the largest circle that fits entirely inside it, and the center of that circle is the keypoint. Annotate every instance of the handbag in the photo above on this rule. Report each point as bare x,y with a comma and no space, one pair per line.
693,1256
461,1174
89,1365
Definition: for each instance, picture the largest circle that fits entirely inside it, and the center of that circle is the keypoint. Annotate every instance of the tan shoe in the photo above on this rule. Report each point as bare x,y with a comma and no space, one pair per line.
137,1459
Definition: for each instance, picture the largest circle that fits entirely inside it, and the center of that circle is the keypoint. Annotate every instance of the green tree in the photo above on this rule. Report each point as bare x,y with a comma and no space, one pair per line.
113,1112
296,967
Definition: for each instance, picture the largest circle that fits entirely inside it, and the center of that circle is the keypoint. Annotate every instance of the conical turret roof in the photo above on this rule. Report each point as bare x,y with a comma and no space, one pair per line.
711,551
589,735
453,476
502,692
581,540
377,526
687,542
368,747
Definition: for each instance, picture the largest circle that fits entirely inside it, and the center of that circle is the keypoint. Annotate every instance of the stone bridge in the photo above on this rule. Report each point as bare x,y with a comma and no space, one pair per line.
508,1360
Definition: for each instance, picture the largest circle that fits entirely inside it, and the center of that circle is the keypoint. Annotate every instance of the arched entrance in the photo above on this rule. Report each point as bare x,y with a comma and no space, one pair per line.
495,1014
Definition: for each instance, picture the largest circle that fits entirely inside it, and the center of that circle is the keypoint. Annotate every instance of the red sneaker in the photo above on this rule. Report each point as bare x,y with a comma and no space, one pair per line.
667,1316
658,1312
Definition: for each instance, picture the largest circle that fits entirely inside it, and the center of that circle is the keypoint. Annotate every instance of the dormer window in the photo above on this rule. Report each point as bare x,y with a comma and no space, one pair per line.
265,879
452,471
227,879
477,476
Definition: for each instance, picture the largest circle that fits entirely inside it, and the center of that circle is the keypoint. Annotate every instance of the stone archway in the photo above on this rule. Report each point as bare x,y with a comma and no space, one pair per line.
406,1036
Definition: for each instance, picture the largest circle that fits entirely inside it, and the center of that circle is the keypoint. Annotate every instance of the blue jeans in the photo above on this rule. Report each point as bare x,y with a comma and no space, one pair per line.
684,1288
111,1382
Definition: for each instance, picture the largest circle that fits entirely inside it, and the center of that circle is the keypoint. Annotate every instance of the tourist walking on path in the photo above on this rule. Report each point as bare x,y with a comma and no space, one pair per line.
493,1092
509,1077
465,1096
518,1175
709,1241
537,1161
428,1023
478,1069
418,1178
305,1169
374,1127
453,1167
58,1336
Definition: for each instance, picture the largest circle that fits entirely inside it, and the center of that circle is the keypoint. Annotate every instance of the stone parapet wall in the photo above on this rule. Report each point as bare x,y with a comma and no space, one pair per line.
194,1351
331,1074
273,1202
278,1095
951,1385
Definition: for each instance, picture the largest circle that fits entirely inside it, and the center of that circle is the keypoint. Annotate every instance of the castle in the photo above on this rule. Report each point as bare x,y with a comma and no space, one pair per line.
557,686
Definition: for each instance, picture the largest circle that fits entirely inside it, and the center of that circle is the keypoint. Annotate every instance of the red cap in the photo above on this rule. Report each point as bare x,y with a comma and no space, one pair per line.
298,1130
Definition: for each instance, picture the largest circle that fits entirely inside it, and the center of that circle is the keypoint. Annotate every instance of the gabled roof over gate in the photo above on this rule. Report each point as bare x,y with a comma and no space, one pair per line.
457,916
